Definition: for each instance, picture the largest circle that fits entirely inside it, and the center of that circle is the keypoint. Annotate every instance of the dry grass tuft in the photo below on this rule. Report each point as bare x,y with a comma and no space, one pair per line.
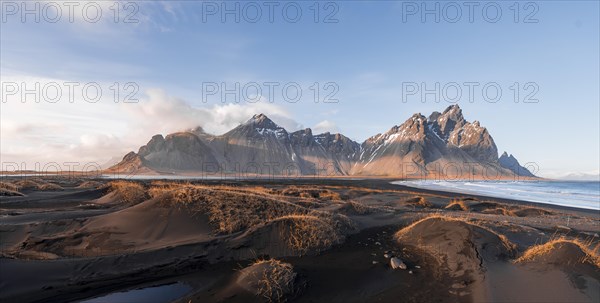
9,189
129,192
499,211
8,186
329,195
532,212
277,280
50,186
37,184
457,204
308,192
399,234
306,233
7,193
229,210
27,184
419,201
357,208
552,250
506,243
90,184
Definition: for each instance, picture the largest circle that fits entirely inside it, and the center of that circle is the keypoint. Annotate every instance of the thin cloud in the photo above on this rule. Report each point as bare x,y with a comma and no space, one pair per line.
326,126
82,132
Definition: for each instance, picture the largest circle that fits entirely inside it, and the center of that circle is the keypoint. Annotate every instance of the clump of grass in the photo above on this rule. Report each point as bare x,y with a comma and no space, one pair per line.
506,243
499,211
8,193
329,195
277,280
36,183
419,201
90,184
8,186
306,233
457,204
309,192
561,250
9,189
531,212
356,208
129,192
28,184
160,188
50,186
231,210
228,211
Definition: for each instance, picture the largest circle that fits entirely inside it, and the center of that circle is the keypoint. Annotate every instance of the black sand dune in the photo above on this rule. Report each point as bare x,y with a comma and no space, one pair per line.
90,240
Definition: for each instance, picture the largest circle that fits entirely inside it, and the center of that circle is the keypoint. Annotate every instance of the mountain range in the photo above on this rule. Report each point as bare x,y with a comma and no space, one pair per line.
443,145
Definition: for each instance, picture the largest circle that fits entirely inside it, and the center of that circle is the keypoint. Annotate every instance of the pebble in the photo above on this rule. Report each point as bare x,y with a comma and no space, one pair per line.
397,263
375,262
417,266
377,243
387,256
410,272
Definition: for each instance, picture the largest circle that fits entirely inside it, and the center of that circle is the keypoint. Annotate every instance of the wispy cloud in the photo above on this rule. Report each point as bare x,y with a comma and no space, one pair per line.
96,132
326,126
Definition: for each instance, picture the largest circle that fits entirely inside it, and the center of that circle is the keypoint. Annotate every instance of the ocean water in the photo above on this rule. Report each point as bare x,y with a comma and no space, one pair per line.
580,194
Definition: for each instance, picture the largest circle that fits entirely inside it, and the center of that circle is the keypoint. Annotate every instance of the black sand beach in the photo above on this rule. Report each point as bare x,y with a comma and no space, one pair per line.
87,239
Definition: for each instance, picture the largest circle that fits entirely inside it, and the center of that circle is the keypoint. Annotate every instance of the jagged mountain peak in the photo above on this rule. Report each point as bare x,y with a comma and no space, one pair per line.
197,130
325,134
262,121
453,112
258,126
414,125
155,143
449,120
261,124
201,134
334,137
454,108
303,132
158,137
511,163
303,136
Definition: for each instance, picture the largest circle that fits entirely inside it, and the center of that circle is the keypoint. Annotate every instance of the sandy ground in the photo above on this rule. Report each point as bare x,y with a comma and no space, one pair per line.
71,239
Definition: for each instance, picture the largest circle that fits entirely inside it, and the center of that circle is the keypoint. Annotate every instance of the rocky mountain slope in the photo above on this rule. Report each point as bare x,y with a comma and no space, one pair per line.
511,163
443,145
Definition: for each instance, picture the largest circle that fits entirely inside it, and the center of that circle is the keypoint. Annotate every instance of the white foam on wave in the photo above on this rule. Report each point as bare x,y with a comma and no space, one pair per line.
573,194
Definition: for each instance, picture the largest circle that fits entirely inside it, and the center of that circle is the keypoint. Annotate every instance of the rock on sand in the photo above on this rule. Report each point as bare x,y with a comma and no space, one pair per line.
397,263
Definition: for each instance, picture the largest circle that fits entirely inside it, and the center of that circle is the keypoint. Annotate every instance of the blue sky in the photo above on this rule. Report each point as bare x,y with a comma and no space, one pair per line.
368,54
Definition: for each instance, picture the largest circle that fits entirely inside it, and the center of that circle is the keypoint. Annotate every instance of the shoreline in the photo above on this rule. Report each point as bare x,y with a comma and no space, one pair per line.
316,180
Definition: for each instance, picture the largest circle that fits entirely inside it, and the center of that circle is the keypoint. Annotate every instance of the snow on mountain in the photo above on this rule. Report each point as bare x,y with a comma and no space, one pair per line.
419,146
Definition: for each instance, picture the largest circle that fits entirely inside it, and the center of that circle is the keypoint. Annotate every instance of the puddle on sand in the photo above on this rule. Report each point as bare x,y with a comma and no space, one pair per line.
158,294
